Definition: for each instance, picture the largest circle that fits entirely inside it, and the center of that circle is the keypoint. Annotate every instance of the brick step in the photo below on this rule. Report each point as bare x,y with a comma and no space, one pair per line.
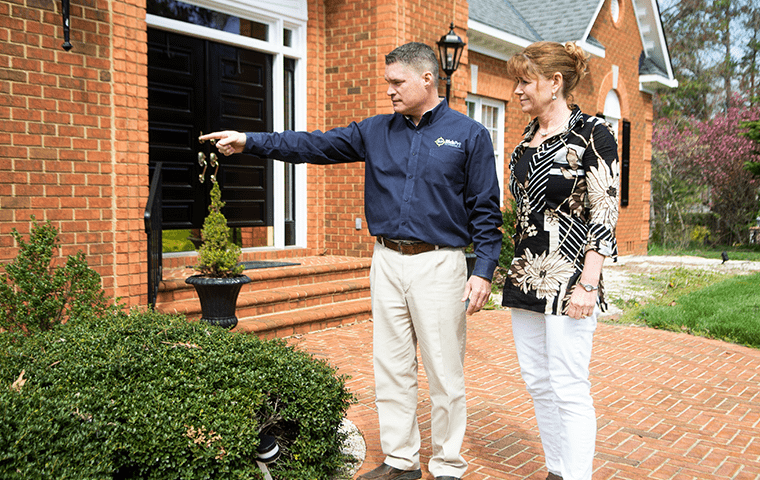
283,301
174,288
262,302
293,322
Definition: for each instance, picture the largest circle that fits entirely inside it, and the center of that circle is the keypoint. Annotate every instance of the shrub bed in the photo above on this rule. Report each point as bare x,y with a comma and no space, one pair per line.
145,395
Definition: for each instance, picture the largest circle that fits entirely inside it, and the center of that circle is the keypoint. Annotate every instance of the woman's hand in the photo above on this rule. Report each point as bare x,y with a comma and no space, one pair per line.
582,303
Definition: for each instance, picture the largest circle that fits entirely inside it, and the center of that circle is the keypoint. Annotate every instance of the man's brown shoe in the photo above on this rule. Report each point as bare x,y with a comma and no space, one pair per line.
553,476
386,472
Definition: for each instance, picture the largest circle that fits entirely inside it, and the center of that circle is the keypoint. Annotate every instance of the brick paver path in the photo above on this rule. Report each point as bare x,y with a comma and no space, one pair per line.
669,405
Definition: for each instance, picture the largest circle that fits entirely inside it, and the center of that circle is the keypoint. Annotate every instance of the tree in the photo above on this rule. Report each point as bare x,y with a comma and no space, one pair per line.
719,161
690,32
725,12
713,45
753,133
749,79
675,188
38,291
706,40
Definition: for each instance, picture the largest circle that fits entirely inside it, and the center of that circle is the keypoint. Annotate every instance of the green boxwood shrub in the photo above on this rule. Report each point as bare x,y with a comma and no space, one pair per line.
36,294
219,255
146,395
509,223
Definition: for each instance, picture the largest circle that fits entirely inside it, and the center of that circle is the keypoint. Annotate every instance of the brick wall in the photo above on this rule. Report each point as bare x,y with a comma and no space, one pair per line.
73,133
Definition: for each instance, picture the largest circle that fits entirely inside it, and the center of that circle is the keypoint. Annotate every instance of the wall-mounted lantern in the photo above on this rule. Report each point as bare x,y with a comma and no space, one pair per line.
450,48
65,13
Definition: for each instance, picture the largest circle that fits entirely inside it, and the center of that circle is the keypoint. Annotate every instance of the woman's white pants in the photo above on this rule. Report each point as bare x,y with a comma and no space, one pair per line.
554,352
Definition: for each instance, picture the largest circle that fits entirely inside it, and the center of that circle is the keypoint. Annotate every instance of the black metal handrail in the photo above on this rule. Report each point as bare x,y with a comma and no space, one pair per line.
153,220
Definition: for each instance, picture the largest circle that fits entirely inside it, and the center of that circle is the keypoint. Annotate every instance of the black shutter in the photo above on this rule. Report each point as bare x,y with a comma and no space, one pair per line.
625,162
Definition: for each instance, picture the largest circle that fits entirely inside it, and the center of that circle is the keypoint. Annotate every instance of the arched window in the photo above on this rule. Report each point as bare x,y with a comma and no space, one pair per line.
612,111
622,129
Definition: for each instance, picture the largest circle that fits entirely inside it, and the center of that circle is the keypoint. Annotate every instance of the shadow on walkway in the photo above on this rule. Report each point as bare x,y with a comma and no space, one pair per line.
669,405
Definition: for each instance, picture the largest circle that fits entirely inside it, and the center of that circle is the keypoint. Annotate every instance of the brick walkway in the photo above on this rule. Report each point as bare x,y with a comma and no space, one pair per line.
669,405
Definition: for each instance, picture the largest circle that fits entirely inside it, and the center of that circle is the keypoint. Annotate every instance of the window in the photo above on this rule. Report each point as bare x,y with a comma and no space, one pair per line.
276,28
491,114
612,110
613,115
615,10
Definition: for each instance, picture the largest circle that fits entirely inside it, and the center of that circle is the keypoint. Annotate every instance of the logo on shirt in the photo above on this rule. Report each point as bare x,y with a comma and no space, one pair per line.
449,143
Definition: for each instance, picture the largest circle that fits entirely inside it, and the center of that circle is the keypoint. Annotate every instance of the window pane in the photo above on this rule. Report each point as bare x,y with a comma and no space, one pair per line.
471,109
491,122
184,12
287,37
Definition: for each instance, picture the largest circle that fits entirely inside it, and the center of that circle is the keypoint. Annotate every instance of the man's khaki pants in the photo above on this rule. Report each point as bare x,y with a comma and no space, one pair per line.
417,299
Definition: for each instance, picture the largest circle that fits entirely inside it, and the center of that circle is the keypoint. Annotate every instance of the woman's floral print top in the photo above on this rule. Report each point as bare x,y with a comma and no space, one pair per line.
567,204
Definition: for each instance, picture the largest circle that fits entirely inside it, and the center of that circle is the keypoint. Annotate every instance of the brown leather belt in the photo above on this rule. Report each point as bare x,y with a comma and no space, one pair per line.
406,247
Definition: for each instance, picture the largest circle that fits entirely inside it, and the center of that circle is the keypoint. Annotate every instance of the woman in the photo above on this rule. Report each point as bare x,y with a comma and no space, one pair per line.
565,181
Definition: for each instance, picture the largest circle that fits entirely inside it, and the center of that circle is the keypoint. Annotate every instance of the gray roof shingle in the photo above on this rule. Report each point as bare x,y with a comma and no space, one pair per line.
558,20
500,14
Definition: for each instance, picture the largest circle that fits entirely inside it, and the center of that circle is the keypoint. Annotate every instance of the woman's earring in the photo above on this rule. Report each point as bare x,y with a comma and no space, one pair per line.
554,97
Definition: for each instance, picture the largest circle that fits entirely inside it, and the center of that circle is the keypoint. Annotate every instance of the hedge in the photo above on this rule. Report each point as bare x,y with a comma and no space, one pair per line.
146,395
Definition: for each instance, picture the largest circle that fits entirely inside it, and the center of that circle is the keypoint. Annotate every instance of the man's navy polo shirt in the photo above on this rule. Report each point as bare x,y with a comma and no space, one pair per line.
435,181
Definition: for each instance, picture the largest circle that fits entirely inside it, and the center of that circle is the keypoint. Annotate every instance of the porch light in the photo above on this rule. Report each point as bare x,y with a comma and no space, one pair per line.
450,48
65,14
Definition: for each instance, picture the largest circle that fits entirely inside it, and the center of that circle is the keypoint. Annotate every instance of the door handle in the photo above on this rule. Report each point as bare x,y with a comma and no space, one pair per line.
202,163
214,163
212,141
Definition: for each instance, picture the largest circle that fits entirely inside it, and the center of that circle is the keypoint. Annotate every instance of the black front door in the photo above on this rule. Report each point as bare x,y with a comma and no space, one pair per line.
195,86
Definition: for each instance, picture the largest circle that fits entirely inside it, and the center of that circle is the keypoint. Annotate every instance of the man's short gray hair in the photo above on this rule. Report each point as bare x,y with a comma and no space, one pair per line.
420,57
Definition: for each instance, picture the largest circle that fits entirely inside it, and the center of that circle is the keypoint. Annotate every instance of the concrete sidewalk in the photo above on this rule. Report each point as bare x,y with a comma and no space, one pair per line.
669,405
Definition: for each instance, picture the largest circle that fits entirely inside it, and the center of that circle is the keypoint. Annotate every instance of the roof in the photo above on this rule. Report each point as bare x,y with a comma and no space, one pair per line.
565,19
500,28
501,15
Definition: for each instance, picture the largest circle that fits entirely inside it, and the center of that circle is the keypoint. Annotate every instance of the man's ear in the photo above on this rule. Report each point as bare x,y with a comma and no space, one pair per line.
429,79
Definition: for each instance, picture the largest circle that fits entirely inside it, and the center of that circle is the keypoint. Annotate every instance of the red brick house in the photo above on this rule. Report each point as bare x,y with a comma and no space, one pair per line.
84,130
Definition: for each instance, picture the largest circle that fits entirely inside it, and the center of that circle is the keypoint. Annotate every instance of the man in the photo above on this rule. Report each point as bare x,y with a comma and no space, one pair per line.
430,190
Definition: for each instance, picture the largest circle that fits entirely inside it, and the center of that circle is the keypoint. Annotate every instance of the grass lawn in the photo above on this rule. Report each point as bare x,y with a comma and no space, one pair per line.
741,252
728,310
176,241
701,303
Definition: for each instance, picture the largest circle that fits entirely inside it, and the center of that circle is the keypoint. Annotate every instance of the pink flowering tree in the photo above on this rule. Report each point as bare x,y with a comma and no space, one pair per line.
719,163
675,187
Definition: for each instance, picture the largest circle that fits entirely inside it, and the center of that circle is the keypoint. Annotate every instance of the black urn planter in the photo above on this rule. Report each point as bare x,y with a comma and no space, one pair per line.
218,298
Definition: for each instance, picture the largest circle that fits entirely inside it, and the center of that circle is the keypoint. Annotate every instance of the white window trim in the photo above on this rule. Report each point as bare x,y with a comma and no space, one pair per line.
263,11
499,151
